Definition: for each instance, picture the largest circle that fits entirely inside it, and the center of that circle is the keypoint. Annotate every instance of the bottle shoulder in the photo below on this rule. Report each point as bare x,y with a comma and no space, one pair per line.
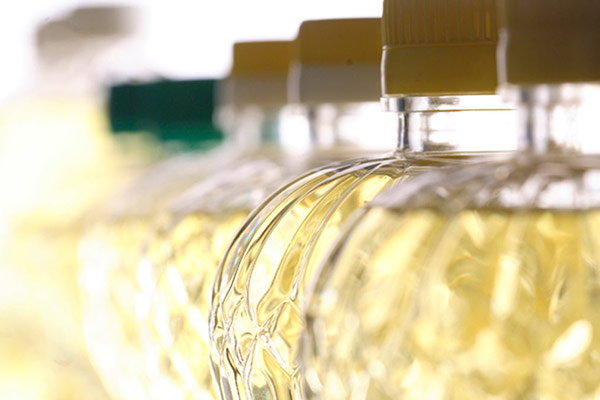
299,213
520,182
305,190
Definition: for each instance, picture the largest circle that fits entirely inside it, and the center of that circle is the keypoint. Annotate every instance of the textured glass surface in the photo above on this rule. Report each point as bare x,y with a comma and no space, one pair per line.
177,271
480,283
257,310
109,253
257,317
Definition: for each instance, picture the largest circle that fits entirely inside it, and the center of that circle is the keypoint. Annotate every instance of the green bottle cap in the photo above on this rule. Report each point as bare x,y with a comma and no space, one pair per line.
174,111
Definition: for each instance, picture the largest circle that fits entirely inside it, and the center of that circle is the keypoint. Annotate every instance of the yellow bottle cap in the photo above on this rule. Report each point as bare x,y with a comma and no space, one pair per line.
260,58
549,41
258,74
438,47
336,60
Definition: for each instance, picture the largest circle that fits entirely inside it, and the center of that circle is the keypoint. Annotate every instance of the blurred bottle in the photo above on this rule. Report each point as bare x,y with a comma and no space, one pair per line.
57,159
177,271
182,255
179,114
481,283
441,89
334,90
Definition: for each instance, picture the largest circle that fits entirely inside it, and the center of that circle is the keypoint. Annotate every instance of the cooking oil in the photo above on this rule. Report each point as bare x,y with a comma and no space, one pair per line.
181,298
257,307
164,258
479,282
110,248
176,274
226,197
486,303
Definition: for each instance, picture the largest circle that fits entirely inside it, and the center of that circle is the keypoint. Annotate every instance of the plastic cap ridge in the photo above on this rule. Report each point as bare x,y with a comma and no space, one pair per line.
437,47
549,41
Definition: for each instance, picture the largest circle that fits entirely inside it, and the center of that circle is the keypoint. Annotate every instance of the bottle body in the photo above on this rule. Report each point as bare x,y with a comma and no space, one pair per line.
114,296
472,284
180,261
257,311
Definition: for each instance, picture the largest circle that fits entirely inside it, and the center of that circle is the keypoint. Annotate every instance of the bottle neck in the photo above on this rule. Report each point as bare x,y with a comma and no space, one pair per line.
354,127
454,124
554,119
251,128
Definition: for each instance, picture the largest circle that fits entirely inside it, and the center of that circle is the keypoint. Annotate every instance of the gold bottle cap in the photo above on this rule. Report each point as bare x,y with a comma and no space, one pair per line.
260,58
336,60
438,47
549,41
258,74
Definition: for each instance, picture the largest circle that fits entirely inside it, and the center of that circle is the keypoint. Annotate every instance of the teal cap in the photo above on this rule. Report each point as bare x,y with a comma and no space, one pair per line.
172,110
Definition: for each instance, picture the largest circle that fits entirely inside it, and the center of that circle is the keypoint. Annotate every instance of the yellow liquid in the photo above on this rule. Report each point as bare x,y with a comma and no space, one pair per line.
42,352
484,304
257,317
151,281
180,302
57,161
109,256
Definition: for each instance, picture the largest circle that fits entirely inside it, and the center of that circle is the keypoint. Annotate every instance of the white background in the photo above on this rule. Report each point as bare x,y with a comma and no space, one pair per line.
186,38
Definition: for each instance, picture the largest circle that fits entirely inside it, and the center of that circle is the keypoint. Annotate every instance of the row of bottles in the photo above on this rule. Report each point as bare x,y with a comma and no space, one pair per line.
148,265
264,280
441,249
479,282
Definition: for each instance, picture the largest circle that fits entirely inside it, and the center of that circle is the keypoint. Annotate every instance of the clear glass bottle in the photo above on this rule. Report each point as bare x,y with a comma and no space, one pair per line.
257,306
481,282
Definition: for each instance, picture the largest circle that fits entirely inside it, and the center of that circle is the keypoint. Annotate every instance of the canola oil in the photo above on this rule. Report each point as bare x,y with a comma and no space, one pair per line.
180,302
257,317
483,304
177,271
258,305
111,317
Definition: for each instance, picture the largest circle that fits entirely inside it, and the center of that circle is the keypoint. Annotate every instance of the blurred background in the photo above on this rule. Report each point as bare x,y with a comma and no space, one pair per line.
59,159
181,39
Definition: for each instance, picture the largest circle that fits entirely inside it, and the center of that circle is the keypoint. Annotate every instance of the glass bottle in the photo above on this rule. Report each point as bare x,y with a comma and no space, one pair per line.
481,282
257,306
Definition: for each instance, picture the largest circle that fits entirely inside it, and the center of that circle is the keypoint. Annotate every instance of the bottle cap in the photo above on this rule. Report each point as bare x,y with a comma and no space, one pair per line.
549,41
258,74
179,111
336,60
86,23
439,47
